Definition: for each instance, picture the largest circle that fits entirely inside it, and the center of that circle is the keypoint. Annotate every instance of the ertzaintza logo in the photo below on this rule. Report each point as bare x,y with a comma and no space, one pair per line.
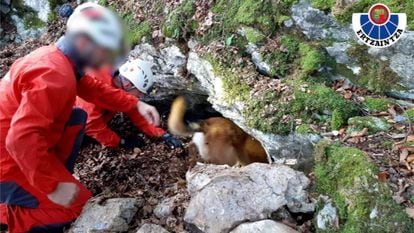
379,27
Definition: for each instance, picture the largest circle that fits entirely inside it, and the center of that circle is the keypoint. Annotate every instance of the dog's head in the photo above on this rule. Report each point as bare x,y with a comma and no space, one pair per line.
217,141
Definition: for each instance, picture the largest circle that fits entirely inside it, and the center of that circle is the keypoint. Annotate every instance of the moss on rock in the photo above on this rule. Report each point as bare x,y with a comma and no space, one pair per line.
374,105
311,58
364,205
304,129
135,31
374,124
265,16
253,36
282,61
374,75
270,112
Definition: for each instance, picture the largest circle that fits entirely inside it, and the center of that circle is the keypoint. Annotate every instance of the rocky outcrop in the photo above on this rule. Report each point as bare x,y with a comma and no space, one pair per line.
264,226
151,228
401,58
318,25
169,71
114,215
222,197
42,8
327,217
291,149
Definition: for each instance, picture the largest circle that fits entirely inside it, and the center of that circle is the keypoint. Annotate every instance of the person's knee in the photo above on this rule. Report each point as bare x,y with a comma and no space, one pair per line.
78,117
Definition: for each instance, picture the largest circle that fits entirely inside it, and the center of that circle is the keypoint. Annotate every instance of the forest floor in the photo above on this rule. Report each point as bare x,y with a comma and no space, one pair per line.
156,172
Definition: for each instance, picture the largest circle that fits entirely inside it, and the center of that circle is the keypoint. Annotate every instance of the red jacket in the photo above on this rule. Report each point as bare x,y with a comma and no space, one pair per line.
98,117
37,97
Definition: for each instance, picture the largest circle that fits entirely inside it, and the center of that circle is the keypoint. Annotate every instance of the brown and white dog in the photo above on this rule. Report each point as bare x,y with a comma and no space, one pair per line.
218,140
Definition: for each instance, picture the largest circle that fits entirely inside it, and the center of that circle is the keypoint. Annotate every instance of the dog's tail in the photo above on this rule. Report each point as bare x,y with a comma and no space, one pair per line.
176,124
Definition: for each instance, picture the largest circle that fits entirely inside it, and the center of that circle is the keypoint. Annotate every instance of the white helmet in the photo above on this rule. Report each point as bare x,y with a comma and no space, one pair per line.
98,22
139,73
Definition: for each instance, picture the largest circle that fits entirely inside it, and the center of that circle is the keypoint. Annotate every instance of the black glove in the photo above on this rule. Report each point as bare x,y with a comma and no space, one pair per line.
65,10
132,142
172,141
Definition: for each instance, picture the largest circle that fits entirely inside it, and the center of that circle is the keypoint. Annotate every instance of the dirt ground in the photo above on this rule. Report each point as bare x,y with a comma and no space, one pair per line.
149,174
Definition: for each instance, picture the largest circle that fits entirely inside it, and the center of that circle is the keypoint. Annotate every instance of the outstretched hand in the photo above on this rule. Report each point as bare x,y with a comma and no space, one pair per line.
65,194
149,112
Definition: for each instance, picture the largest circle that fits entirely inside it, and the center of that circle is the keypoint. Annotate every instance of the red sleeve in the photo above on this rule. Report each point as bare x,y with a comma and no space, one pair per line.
42,102
139,121
105,96
99,130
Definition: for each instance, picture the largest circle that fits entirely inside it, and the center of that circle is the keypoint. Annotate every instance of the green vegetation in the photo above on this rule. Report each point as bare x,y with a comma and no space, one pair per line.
304,129
135,31
295,56
376,104
30,20
323,4
254,36
179,23
316,98
337,119
348,177
29,15
265,16
282,60
410,114
344,14
374,124
374,75
53,4
311,58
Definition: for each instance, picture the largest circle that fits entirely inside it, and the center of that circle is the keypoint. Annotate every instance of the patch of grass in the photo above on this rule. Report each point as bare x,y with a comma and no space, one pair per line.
254,36
311,58
409,113
322,99
304,129
344,15
230,15
374,124
179,22
348,176
30,20
135,31
374,105
283,61
53,4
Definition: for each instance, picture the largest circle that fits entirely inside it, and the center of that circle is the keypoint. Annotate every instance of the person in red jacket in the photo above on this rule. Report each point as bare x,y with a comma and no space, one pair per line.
40,132
136,78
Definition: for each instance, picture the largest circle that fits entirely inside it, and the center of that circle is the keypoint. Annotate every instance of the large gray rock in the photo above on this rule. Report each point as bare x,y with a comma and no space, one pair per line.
113,215
151,228
257,59
291,149
23,33
222,197
316,24
263,226
327,217
42,8
401,57
165,208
